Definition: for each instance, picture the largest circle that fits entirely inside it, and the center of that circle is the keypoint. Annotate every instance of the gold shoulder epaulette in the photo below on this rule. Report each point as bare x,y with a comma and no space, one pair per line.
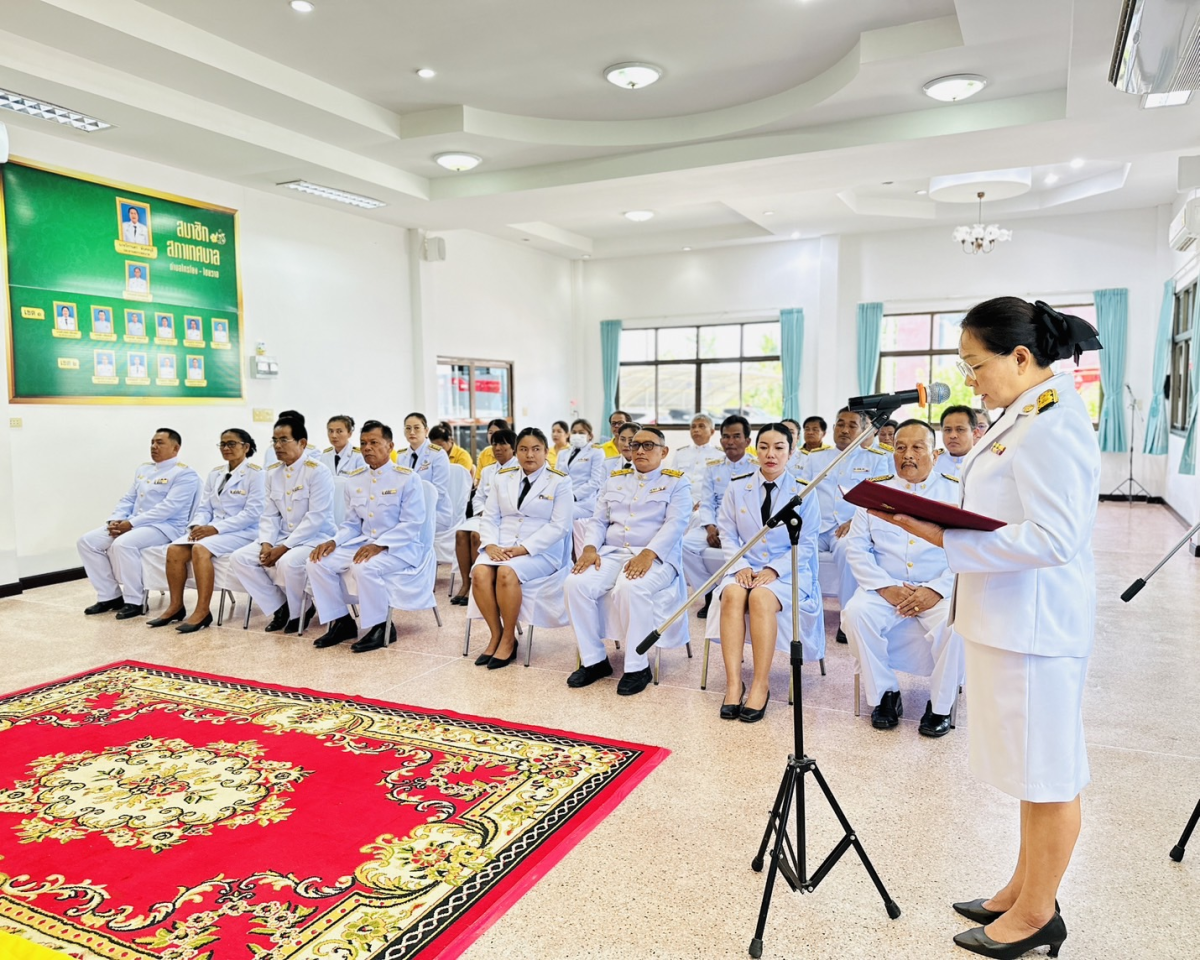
219,466
714,463
801,480
399,468
557,473
878,451
805,452
354,473
507,470
824,446
620,473
597,446
327,450
886,476
313,463
1046,400
888,447
181,465
742,476
277,463
671,472
357,450
254,466
754,460
950,476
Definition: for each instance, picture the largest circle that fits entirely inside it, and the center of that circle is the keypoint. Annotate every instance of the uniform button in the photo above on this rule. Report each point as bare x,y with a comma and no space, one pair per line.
627,528
374,479
372,496
373,533
289,509
743,509
910,564
290,525
911,542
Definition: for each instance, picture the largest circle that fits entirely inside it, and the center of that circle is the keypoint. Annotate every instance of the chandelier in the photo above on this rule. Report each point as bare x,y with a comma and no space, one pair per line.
978,238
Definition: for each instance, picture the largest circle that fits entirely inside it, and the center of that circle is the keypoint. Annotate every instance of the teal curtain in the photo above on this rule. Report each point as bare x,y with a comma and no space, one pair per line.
1187,463
791,355
1112,323
870,326
610,355
1158,423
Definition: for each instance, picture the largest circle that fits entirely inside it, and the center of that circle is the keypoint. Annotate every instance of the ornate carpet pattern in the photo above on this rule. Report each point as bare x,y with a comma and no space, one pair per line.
153,813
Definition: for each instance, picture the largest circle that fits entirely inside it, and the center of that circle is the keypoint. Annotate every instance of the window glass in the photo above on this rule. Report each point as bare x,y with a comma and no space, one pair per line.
677,343
762,391
720,389
721,341
637,392
637,345
905,332
676,392
760,340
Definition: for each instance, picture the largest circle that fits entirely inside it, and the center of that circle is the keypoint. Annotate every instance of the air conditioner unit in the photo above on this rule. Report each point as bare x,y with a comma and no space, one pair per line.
1185,228
1158,47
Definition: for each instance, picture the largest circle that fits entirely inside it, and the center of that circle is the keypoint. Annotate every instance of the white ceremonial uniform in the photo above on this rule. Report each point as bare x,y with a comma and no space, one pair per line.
233,502
603,466
1025,598
948,463
385,507
135,233
717,474
693,460
345,463
539,524
634,511
298,514
881,554
430,462
740,521
158,504
578,464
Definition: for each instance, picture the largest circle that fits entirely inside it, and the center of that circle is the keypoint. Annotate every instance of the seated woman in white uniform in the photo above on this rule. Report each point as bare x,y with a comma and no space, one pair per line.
341,456
526,517
227,518
466,537
430,463
761,581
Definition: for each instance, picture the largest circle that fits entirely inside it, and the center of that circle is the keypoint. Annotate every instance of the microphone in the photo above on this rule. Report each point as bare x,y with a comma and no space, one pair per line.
924,395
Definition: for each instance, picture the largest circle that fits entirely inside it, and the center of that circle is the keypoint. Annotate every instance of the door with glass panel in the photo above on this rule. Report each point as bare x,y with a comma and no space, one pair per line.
471,393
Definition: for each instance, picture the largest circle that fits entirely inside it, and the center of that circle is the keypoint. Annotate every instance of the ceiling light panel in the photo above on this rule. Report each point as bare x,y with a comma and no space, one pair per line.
330,193
458,162
301,6
954,88
49,111
639,216
1176,98
426,73
632,76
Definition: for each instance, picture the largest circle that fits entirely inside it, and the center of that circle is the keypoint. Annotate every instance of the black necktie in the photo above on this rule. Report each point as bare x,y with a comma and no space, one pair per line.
414,461
766,504
571,458
221,488
627,465
525,485
337,458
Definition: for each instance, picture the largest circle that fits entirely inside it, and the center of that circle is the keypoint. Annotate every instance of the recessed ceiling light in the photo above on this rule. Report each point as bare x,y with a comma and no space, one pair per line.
301,6
639,216
330,193
1077,163
458,162
921,193
632,76
1051,178
49,111
768,213
956,87
1176,98
425,73
795,234
587,256
888,183
686,249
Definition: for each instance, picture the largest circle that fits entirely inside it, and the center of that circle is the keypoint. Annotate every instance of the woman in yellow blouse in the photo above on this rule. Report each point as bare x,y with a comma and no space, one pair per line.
560,431
485,455
442,435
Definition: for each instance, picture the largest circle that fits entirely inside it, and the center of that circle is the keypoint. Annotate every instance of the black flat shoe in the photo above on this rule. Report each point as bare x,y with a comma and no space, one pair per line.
193,627
1052,934
341,629
887,715
634,682
495,663
841,636
373,639
279,620
104,606
702,613
459,601
483,659
975,910
590,674
934,724
163,621
731,711
753,716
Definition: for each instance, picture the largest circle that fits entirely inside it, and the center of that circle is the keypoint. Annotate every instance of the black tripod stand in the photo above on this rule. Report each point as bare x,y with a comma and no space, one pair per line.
1177,850
1135,490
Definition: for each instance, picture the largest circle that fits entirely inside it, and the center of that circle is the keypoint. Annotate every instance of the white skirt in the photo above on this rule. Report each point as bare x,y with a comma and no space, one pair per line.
220,544
1026,722
532,566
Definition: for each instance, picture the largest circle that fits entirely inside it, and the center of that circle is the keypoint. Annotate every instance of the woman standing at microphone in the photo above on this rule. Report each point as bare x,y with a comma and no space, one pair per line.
1025,601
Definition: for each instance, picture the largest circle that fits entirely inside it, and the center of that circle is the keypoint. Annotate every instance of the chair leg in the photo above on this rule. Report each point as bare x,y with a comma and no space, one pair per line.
436,614
954,709
857,706
221,609
529,645
822,666
520,632
450,589
467,639
249,607
389,635
657,663
688,646
704,669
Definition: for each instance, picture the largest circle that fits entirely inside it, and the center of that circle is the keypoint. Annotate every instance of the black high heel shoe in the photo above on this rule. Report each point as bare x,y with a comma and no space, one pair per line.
193,627
975,910
1052,934
731,711
753,716
483,659
163,621
496,663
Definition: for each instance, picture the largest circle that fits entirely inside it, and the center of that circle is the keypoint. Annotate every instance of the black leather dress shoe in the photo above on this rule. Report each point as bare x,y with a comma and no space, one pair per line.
459,601
590,674
634,682
373,639
495,663
131,610
975,910
934,724
841,636
163,621
888,713
343,628
279,620
293,626
193,627
104,606
702,613
753,716
1052,934
731,711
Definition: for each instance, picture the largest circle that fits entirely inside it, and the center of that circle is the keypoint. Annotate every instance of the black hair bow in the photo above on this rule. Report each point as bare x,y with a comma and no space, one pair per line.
1062,335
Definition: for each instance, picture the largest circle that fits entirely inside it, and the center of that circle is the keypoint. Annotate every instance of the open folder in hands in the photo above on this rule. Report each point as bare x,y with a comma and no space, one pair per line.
876,496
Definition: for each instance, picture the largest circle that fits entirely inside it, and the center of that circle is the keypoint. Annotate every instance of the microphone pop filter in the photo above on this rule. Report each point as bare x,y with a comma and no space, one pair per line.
938,393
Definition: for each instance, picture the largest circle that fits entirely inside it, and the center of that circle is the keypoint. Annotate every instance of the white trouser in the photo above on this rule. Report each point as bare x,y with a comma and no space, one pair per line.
375,580
329,590
847,585
114,564
631,615
882,641
260,583
697,568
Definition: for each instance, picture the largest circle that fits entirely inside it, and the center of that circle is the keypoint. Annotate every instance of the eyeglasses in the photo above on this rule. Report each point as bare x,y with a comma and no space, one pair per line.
646,445
967,369
282,441
616,423
230,444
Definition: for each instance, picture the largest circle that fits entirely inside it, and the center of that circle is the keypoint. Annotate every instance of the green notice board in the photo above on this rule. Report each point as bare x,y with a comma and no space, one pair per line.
118,295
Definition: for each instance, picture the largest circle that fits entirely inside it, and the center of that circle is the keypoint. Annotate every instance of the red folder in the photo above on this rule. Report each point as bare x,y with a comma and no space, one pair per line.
885,499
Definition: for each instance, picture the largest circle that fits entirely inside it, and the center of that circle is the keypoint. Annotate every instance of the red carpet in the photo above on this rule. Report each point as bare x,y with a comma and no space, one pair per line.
150,812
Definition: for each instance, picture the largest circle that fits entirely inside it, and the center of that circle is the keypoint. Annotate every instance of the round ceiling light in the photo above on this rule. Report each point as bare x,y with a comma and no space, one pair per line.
639,216
301,6
957,87
632,76
425,73
458,162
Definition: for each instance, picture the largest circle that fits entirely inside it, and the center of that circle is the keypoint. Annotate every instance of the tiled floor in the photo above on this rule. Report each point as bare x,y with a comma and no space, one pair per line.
668,875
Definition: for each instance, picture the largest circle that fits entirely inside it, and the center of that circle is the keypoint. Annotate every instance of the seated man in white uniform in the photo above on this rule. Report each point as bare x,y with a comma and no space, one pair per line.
904,579
298,515
381,532
693,458
958,437
525,519
735,438
814,429
633,548
155,510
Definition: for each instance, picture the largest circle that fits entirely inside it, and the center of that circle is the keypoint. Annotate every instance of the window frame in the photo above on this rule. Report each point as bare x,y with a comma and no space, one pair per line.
472,428
1181,355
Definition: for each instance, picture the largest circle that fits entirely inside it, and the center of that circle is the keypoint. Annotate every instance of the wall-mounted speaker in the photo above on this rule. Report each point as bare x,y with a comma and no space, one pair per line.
434,249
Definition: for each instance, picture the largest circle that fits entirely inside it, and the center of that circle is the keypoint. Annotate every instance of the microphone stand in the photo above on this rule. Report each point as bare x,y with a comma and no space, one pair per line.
1130,481
787,858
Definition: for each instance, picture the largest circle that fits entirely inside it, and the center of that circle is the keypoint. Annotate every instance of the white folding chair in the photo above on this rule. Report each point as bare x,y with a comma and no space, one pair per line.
666,603
225,581
458,489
